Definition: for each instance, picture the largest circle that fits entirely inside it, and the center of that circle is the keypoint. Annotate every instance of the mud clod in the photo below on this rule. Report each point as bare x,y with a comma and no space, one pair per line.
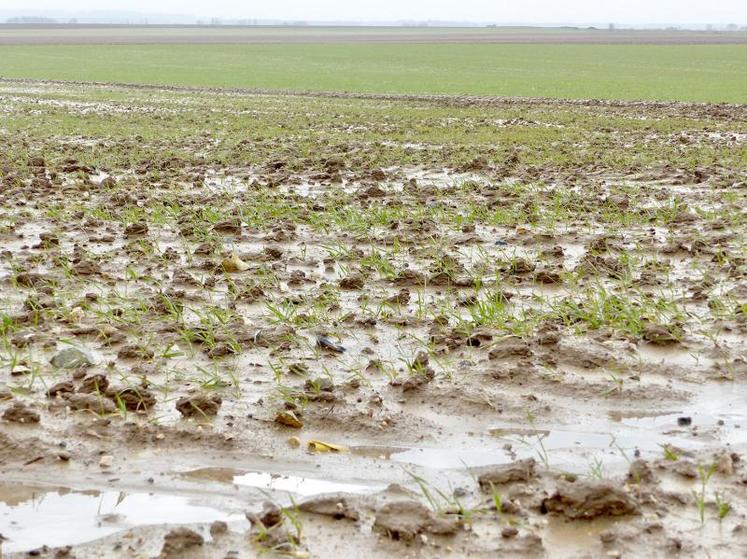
519,471
586,499
178,541
21,413
338,507
405,520
199,406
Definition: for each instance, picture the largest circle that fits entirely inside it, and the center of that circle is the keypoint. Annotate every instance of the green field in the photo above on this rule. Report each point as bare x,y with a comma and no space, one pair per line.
713,73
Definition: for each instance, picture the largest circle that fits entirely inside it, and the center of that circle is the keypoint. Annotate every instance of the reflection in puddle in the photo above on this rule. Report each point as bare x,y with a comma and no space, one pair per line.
299,485
302,486
450,458
32,517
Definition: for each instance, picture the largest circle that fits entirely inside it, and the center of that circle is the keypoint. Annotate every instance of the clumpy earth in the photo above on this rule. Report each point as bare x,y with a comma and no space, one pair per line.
236,324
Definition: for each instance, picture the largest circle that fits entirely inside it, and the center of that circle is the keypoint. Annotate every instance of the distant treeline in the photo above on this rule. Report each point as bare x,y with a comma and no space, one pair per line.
31,20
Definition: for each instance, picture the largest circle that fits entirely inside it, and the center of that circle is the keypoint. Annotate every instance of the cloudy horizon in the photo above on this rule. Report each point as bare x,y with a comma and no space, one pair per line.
547,12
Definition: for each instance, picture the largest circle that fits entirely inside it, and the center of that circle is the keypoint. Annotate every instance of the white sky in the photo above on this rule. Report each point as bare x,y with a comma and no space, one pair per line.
538,11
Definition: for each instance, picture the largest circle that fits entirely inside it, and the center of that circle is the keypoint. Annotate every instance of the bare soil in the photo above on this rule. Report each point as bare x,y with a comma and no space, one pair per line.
303,326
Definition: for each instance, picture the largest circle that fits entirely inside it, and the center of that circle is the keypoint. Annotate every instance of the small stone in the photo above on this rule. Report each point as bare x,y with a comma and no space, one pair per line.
218,528
106,461
509,532
294,442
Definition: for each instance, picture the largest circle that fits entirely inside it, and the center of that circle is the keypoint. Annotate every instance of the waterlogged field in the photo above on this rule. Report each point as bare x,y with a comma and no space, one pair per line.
486,327
686,72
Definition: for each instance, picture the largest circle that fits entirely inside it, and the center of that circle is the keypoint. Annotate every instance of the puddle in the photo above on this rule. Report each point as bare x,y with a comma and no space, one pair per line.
301,486
717,412
716,416
575,539
673,356
32,516
450,458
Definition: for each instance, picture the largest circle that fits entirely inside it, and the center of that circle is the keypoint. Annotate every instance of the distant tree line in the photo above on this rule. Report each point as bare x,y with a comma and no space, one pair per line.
31,20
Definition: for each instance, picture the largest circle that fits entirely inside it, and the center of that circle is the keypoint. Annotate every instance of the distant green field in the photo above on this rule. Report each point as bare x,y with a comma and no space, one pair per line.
651,72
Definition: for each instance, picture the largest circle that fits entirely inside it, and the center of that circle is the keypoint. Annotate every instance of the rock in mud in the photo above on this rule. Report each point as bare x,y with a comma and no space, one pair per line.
519,471
335,506
200,405
179,540
404,520
589,499
71,358
21,413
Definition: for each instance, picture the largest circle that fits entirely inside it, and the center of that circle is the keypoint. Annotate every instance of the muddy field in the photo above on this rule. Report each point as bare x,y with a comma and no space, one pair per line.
18,34
237,324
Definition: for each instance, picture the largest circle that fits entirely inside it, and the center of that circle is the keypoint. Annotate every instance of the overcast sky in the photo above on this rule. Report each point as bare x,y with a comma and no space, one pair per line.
538,11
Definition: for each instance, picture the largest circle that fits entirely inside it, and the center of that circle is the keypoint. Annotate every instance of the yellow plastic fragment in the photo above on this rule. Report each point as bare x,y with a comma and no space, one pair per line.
320,446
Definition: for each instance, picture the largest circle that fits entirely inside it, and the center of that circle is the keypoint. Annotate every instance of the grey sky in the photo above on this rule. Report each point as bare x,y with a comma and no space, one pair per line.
538,11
